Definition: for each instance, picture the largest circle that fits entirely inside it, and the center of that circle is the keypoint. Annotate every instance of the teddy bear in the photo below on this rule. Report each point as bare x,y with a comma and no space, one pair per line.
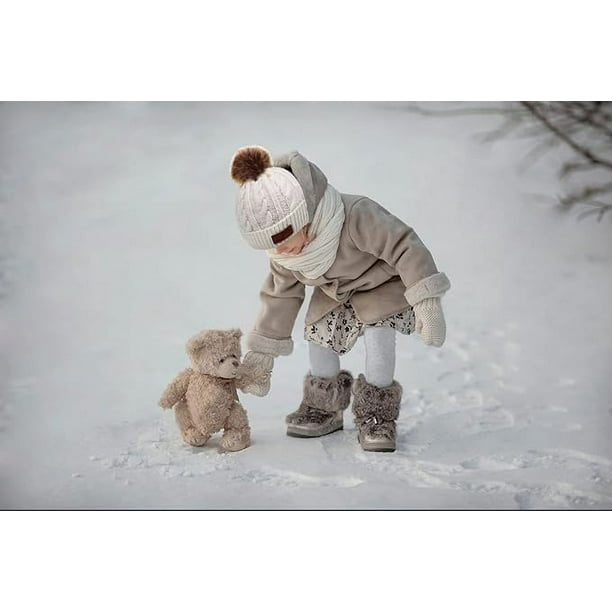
204,396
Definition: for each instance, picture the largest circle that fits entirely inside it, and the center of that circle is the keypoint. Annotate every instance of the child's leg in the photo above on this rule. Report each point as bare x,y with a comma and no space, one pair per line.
323,361
380,355
326,394
377,396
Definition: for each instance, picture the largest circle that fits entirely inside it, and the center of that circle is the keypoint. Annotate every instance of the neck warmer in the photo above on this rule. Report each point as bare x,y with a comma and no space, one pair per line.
319,254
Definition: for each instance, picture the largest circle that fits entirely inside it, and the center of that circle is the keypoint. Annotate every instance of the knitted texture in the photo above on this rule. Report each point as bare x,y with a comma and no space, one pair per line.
319,253
259,362
268,205
430,323
268,200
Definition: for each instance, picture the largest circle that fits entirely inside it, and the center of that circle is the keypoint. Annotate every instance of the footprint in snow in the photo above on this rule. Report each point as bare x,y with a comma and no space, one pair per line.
273,477
560,495
577,465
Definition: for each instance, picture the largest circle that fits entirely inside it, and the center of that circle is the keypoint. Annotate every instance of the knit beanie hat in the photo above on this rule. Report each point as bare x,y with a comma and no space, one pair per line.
270,206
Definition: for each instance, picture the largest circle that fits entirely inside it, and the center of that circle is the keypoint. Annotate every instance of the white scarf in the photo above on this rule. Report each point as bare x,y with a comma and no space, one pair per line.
319,254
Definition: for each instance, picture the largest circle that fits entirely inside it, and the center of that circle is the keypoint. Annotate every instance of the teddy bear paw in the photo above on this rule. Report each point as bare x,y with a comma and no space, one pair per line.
233,441
194,437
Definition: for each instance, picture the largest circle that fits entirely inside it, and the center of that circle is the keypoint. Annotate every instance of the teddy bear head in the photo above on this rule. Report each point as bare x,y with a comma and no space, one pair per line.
216,352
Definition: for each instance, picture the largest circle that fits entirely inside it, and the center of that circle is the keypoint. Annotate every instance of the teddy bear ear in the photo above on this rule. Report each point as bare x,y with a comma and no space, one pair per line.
195,343
237,333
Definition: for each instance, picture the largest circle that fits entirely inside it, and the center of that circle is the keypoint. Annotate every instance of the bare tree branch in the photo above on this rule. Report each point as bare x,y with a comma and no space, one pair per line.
580,166
540,149
584,152
599,209
586,194
589,116
506,128
457,112
584,127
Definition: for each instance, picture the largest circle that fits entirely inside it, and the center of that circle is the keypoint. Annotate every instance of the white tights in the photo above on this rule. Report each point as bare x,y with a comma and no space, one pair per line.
380,357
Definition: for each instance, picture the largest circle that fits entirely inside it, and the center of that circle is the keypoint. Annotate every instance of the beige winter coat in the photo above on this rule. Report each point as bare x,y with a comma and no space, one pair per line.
381,267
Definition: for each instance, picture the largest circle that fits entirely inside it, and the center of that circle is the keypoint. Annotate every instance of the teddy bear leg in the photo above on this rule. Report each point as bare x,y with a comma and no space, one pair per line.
188,431
236,431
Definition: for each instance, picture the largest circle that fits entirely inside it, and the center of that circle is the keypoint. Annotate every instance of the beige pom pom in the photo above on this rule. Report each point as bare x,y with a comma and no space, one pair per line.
248,163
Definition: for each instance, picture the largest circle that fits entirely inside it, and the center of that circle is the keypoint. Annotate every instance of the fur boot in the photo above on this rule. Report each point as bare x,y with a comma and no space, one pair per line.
322,407
375,410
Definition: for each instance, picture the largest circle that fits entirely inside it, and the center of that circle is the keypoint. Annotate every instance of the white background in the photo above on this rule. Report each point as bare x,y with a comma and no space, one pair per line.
145,51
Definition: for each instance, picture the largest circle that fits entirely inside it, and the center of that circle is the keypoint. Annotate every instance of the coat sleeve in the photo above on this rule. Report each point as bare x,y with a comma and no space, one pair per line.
282,296
375,230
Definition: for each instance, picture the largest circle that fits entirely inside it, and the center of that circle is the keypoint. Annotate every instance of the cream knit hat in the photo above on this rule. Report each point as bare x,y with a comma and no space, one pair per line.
270,206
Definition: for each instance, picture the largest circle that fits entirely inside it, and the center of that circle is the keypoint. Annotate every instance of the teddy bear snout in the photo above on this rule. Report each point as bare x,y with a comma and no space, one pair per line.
235,363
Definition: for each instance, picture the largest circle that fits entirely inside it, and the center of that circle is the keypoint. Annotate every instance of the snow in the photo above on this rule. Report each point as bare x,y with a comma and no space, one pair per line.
120,243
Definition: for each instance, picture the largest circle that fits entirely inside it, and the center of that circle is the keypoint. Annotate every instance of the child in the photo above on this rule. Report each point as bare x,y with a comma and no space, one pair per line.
371,275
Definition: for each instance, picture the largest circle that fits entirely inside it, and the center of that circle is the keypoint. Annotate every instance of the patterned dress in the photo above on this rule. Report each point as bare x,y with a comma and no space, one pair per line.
340,328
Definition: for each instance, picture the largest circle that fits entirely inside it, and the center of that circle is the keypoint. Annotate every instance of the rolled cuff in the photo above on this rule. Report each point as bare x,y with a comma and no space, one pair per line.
262,344
435,285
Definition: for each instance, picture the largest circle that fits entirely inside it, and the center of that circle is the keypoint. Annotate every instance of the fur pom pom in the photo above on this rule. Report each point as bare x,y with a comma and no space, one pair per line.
248,163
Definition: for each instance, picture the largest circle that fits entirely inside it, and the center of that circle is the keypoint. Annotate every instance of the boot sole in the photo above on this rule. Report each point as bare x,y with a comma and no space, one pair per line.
296,432
376,448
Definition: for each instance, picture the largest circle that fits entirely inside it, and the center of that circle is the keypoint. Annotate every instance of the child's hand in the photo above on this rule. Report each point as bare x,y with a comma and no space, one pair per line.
430,323
255,373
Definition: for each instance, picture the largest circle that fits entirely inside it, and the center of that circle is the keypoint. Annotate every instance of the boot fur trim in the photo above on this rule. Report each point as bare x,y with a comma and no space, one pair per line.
328,394
381,402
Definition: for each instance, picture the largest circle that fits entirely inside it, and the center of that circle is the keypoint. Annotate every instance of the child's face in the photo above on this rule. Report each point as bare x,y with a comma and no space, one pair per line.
295,244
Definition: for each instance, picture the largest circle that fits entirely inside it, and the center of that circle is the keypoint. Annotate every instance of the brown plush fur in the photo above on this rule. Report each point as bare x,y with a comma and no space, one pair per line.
328,394
322,398
370,400
205,397
248,163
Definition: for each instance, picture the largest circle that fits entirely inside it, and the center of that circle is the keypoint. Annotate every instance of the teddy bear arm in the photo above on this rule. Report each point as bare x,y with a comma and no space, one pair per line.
176,390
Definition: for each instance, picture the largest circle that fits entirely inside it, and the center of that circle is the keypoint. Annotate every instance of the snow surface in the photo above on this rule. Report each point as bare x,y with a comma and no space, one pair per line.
120,243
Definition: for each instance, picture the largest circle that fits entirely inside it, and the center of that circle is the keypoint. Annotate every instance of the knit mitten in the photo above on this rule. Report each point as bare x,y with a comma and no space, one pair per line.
430,323
260,363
